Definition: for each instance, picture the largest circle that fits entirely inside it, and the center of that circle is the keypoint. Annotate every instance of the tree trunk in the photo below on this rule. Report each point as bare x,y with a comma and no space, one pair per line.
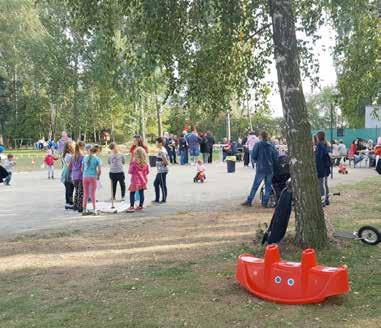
310,225
158,115
228,126
142,120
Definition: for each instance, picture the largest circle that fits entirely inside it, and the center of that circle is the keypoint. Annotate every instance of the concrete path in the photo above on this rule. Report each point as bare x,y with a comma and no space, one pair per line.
33,202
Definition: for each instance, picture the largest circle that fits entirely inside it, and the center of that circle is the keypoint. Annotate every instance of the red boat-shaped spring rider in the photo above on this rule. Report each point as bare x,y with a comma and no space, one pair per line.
290,282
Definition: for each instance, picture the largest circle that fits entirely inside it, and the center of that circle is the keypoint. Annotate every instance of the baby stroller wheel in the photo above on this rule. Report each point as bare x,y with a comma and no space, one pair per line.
369,235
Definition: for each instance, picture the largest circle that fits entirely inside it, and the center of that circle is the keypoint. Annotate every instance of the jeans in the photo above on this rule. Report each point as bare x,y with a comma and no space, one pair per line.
7,179
161,183
324,190
141,197
205,157
184,157
115,178
259,177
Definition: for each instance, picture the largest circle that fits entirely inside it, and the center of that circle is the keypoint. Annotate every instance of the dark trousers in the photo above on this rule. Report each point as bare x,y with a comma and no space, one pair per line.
69,189
246,158
141,197
115,178
78,195
161,183
210,159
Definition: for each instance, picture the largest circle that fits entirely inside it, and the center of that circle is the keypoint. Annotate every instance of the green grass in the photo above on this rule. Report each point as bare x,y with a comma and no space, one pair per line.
199,291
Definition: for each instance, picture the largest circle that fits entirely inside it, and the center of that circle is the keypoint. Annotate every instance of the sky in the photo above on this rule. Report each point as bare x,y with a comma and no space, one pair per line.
323,49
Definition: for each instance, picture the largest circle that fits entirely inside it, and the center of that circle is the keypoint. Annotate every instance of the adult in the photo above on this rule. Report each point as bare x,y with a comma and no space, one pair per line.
61,143
342,149
211,143
174,145
204,148
252,140
226,148
137,142
354,152
194,145
265,155
167,145
323,166
183,148
335,152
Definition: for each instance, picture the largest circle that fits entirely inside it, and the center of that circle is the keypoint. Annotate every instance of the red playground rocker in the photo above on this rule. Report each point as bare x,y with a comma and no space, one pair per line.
290,282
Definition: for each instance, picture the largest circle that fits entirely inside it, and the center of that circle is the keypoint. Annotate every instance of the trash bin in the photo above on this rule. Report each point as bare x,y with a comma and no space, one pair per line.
230,162
152,161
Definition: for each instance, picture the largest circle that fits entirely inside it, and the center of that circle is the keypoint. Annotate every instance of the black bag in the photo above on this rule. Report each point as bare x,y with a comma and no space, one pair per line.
279,222
378,166
282,166
3,173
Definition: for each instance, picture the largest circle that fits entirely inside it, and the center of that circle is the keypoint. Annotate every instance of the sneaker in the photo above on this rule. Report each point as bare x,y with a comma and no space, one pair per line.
69,207
85,212
49,178
139,208
131,209
155,202
123,199
246,204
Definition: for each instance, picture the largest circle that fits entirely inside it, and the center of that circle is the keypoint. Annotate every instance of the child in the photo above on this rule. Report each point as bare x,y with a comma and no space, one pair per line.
77,176
139,170
162,171
66,179
200,168
9,163
116,161
91,168
49,161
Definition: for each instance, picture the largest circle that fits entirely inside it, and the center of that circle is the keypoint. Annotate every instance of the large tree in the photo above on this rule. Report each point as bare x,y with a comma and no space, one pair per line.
310,223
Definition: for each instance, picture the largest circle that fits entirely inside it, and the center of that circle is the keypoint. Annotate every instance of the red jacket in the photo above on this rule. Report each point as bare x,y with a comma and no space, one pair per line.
49,160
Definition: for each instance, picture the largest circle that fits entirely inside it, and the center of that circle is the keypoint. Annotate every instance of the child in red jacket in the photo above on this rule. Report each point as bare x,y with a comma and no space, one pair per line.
139,171
49,161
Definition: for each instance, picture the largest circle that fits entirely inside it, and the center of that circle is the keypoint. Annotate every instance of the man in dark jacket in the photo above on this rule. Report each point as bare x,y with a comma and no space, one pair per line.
265,156
211,142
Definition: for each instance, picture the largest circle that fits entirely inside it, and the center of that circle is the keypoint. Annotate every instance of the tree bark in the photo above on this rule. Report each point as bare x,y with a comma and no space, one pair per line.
311,230
142,119
158,114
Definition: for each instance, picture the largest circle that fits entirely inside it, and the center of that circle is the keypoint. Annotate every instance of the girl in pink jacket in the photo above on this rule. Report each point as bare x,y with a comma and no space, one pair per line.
139,171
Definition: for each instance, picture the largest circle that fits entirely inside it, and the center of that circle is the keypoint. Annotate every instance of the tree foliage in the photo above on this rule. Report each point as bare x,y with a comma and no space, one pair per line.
358,55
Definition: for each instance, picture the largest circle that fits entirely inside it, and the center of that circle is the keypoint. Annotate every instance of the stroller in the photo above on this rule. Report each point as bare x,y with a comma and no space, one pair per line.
279,181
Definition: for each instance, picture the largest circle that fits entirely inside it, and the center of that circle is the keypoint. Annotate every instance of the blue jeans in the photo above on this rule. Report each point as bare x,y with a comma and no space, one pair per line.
183,157
259,177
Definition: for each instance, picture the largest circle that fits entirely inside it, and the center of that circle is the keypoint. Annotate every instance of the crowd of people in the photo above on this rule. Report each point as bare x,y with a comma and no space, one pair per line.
82,166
